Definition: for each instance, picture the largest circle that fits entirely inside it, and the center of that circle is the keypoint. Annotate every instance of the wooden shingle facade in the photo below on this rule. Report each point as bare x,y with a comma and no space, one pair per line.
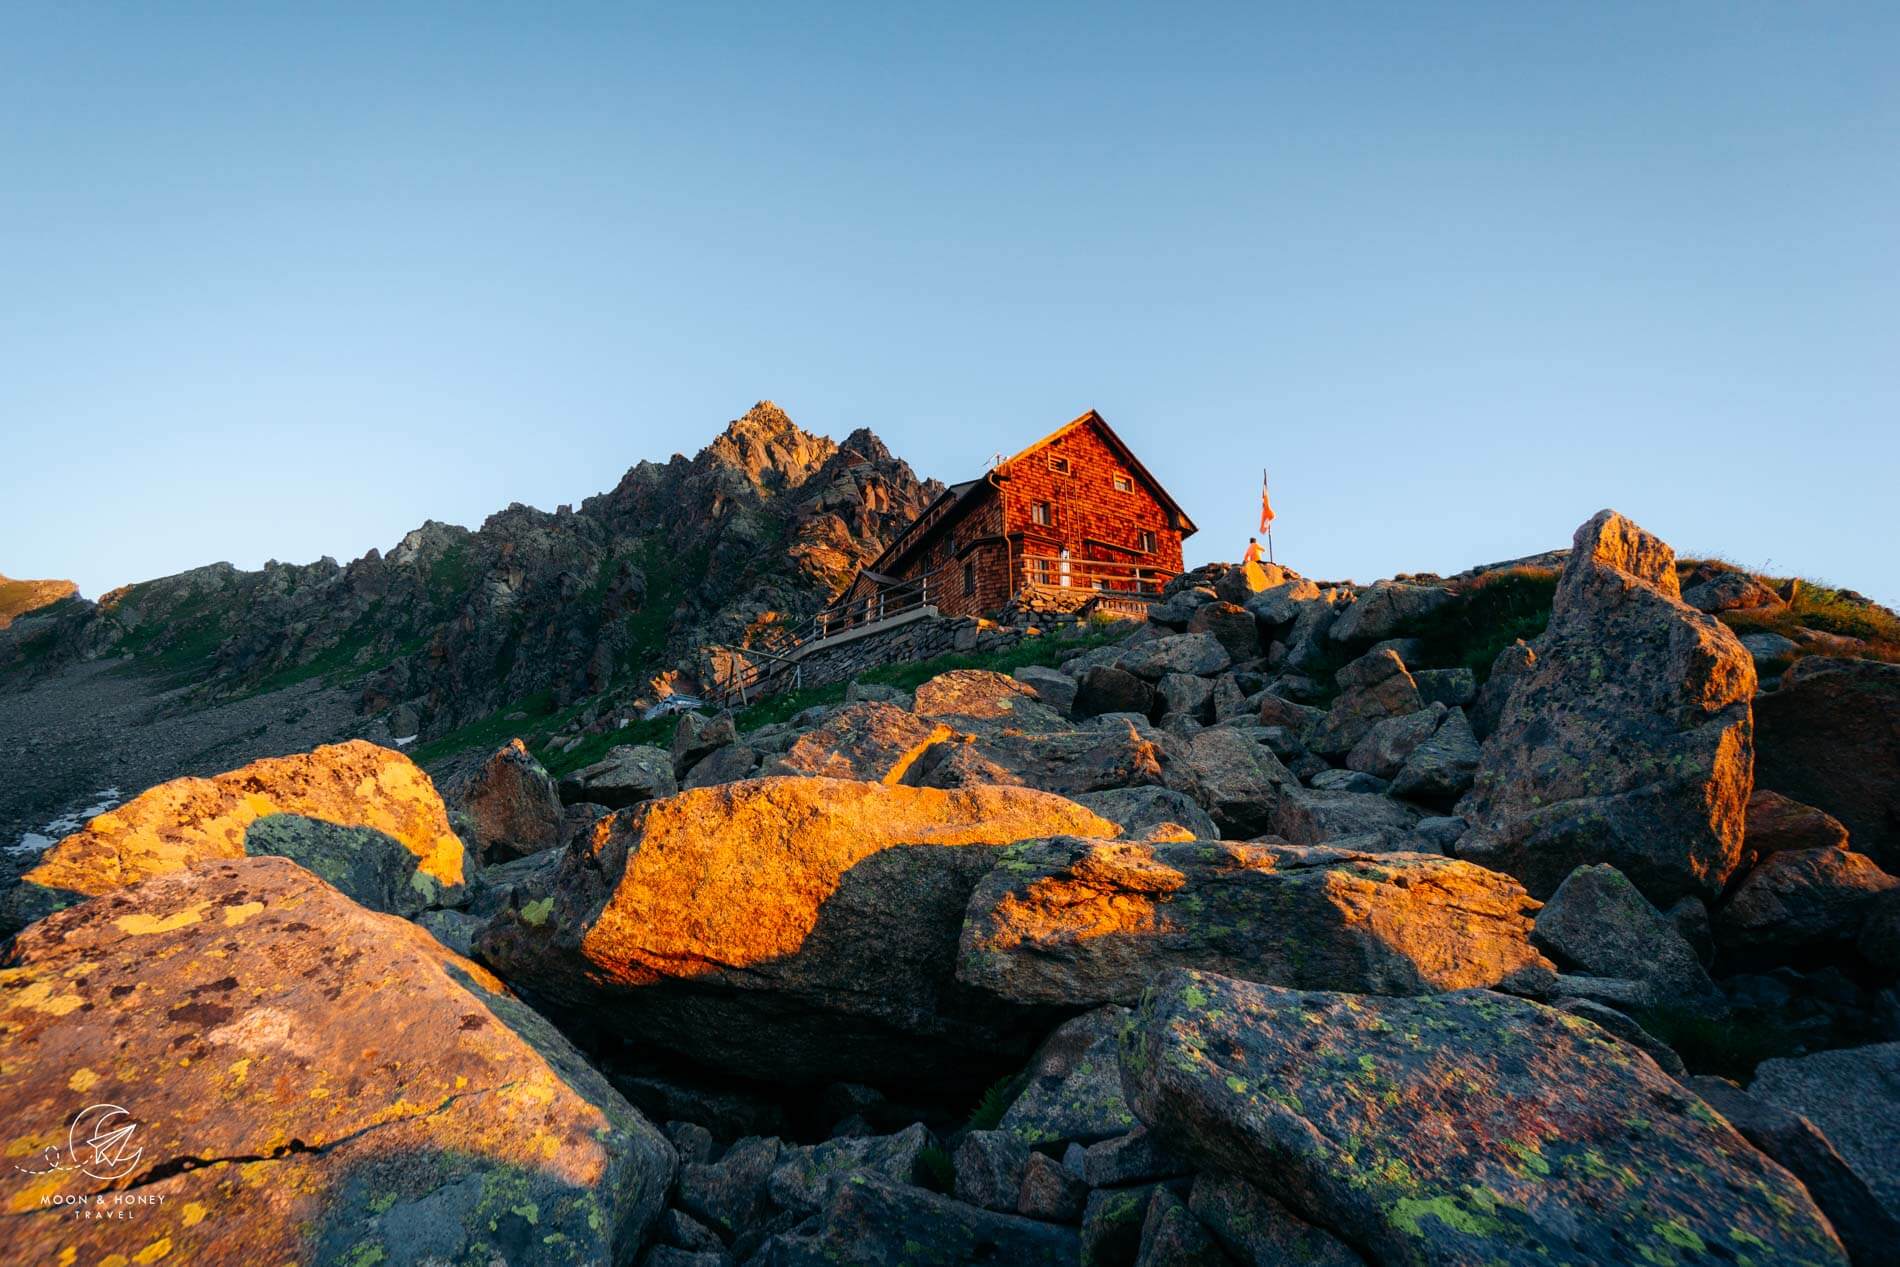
1071,519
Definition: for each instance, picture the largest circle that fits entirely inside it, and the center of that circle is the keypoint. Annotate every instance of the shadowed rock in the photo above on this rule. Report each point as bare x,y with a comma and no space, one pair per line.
1457,1128
185,821
783,928
1079,922
1829,736
1598,922
872,1222
513,806
627,775
1853,1096
309,1082
1799,901
1628,741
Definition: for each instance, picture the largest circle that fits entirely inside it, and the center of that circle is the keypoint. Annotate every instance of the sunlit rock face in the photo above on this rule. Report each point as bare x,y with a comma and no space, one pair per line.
307,1081
789,928
190,820
1468,1127
1081,922
1629,740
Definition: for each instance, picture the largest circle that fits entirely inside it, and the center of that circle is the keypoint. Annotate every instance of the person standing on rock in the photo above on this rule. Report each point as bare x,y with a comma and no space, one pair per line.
1250,563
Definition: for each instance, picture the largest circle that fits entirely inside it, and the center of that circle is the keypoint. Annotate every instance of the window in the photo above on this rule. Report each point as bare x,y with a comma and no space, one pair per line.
1043,513
1147,541
1059,465
969,578
1123,484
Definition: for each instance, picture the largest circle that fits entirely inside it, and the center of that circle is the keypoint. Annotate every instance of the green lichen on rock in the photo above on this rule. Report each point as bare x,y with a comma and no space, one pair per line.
1456,1128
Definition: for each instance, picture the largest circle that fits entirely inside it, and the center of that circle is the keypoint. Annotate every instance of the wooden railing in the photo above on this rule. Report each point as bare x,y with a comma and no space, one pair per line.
774,654
1107,576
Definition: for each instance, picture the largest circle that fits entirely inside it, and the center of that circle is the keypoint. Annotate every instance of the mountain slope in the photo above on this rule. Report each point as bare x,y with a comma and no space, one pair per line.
766,523
21,598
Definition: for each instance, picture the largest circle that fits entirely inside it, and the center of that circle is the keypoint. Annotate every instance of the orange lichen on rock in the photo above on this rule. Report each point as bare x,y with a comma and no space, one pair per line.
171,826
734,875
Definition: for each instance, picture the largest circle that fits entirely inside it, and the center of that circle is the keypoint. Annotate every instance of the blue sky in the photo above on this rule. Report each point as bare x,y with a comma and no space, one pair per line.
286,281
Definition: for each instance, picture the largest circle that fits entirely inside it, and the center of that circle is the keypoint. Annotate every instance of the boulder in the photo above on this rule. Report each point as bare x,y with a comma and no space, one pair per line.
785,928
1456,1128
1387,744
1829,736
697,736
806,1178
1113,752
972,693
989,1169
1184,695
363,864
1051,1191
1628,741
186,821
1768,649
1171,1236
731,1195
1278,606
1106,689
1799,901
1260,1232
307,1081
1139,810
869,741
1731,591
1440,770
1387,608
1076,922
1598,922
1870,1233
1299,719
627,775
1306,816
1372,688
727,764
1072,1088
872,1222
1053,687
1333,780
1853,1097
1200,654
1131,1158
1510,666
1774,822
1231,625
1237,781
512,806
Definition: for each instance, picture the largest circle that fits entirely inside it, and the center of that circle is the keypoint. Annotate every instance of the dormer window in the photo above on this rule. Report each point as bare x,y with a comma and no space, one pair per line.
1058,464
1123,484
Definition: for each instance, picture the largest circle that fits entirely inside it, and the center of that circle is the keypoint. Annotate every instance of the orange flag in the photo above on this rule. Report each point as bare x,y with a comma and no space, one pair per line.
1266,507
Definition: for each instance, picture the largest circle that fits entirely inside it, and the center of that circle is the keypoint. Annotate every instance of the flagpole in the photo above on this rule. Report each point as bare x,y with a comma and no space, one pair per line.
1263,494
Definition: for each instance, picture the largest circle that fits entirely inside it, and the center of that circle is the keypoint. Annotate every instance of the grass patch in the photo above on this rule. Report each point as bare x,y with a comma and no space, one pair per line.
1488,615
1814,605
935,1170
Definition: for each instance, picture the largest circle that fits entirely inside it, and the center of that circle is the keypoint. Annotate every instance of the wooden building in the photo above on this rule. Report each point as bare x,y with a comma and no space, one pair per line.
1073,520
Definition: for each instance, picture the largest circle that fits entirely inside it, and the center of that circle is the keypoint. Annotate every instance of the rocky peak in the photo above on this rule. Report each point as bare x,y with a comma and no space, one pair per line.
17,598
